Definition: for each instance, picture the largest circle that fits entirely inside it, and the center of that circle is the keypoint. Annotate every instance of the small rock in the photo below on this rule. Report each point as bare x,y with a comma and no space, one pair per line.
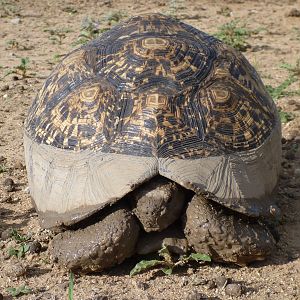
141,285
184,281
9,185
27,190
233,289
100,297
197,280
1,297
15,270
19,166
15,21
6,199
35,247
195,295
211,285
5,88
221,282
64,285
293,13
6,234
260,48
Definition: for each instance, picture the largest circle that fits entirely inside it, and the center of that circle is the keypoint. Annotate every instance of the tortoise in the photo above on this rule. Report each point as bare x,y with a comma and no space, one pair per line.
155,132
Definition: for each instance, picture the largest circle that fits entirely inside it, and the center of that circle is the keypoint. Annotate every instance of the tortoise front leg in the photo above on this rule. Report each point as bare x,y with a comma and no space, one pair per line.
224,234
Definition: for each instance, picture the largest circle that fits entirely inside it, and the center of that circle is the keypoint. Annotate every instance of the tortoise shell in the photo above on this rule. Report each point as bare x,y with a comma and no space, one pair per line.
151,96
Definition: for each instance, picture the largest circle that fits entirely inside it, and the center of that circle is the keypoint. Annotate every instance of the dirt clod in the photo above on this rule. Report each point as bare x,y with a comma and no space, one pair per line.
16,270
35,247
9,185
4,88
221,281
233,289
6,234
195,295
293,13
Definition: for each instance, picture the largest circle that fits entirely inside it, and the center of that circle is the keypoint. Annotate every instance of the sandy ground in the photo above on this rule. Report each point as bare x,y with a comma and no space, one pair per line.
25,33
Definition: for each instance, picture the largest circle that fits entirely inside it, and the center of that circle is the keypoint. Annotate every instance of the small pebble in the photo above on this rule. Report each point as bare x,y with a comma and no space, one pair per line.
4,88
9,185
100,297
195,295
15,21
293,13
6,199
35,247
6,234
233,289
211,285
184,281
15,270
141,285
27,190
221,282
64,285
19,166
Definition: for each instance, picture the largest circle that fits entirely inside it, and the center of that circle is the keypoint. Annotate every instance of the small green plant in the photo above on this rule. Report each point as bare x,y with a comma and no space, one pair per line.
20,251
294,70
285,117
21,240
90,28
18,237
21,69
280,90
14,44
57,35
19,291
174,7
71,286
114,18
2,168
167,263
225,11
88,31
234,34
296,30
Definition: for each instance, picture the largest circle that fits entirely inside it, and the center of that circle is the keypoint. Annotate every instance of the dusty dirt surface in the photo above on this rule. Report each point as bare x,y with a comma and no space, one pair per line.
44,31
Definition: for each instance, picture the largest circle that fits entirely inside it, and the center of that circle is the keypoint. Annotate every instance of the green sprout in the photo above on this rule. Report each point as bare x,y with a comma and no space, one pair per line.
71,286
167,263
19,291
234,34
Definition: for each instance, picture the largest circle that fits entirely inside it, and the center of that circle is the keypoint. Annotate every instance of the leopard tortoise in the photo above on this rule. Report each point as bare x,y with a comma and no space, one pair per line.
151,127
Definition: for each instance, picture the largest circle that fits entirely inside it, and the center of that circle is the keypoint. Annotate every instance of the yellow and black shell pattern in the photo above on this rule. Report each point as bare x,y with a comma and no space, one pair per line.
153,86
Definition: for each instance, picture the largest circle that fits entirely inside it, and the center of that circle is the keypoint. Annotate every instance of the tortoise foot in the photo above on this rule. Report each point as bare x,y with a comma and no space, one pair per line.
99,246
223,234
